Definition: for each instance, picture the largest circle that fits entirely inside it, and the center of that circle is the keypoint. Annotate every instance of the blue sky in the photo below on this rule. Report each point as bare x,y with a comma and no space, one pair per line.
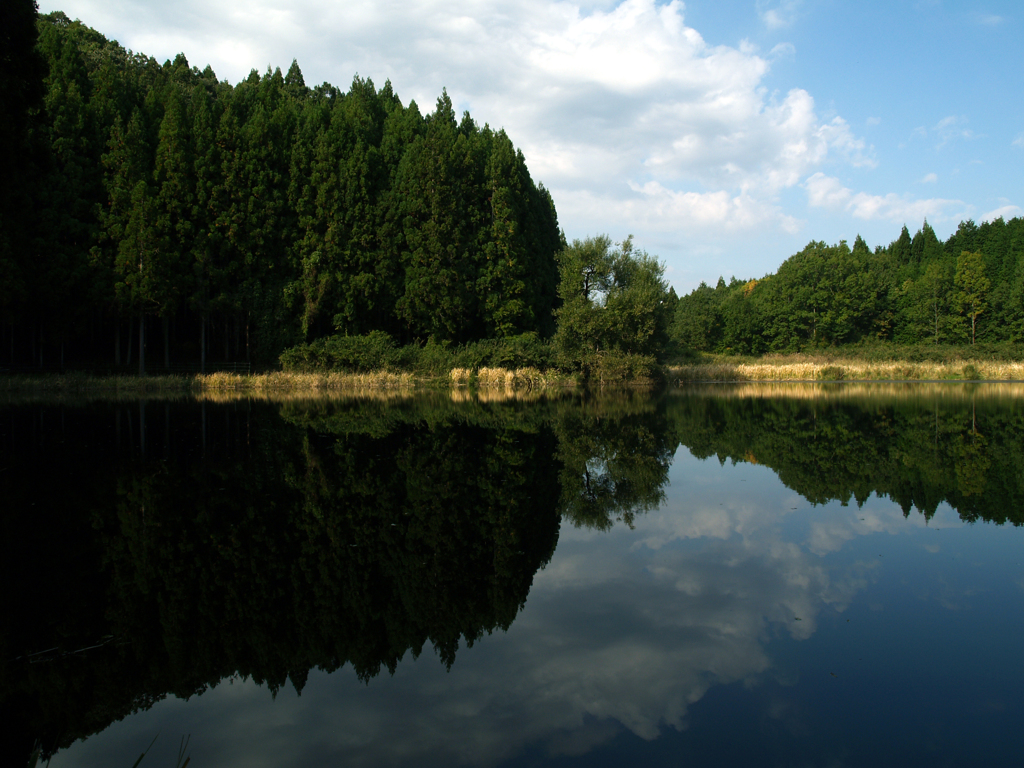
723,135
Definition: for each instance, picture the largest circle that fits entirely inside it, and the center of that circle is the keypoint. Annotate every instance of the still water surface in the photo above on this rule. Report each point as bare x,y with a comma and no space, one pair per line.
721,576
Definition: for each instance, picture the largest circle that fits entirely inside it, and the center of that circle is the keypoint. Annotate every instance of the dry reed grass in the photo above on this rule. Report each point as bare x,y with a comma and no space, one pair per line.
304,382
847,370
460,377
277,386
518,379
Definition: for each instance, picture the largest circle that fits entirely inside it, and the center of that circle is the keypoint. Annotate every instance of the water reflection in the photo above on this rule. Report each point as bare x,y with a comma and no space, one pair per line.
917,445
165,547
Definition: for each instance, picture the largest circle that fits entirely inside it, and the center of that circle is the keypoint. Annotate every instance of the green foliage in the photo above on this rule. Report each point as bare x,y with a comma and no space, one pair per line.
971,372
249,217
972,286
373,352
917,290
615,306
22,87
378,351
832,373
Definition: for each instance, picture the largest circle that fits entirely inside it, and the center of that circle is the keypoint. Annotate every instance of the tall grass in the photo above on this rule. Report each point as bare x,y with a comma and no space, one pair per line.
847,370
304,382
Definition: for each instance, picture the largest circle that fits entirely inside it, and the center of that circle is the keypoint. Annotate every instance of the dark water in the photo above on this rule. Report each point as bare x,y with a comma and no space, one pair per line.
710,577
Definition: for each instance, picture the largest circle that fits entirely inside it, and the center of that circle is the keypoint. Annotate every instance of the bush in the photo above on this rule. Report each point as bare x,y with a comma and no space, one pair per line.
375,351
622,367
832,373
971,373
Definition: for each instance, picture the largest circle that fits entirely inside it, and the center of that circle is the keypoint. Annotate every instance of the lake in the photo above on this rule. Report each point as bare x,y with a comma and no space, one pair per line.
723,575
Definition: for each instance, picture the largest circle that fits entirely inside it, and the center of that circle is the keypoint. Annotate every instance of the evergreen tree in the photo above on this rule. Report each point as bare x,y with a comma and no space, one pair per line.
972,287
22,74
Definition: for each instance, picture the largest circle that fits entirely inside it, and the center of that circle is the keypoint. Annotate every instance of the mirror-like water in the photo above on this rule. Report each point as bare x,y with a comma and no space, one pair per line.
785,576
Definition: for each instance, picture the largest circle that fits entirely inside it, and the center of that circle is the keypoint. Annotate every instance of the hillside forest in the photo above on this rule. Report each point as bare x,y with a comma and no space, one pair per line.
915,291
156,199
151,206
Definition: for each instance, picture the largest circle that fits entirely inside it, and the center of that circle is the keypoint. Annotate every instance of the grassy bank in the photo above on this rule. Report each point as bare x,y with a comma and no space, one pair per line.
495,381
832,368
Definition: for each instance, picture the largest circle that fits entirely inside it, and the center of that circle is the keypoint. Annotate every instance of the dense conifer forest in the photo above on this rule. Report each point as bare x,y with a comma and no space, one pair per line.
229,222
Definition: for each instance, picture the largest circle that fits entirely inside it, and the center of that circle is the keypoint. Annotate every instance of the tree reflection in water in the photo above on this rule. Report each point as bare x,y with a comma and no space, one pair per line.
160,548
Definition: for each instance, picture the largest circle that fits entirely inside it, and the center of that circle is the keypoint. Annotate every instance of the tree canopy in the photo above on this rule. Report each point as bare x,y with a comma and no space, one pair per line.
234,221
916,290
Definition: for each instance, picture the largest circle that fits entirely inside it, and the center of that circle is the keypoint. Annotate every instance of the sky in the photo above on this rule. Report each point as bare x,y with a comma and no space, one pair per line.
724,135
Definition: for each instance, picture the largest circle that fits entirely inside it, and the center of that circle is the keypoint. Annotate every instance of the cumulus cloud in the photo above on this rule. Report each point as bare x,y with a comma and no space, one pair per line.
930,178
618,107
828,192
1004,212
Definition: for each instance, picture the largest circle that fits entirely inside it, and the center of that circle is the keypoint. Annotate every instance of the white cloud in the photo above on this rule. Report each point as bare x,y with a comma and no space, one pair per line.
1019,141
873,121
777,16
616,106
930,178
952,127
828,192
782,49
990,20
1005,212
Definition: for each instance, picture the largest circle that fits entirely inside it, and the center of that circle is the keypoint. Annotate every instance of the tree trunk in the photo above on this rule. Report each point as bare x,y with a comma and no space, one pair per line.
131,332
117,344
142,344
202,344
167,342
142,428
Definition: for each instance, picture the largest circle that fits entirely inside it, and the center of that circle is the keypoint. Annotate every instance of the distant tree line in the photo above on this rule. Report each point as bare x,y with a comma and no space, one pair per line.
916,290
234,221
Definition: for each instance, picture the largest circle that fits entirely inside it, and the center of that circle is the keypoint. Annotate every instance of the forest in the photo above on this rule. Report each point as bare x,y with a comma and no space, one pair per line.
154,209
917,290
146,199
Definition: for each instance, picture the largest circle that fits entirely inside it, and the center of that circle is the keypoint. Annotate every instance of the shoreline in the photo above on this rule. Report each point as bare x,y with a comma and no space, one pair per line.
510,381
845,370
281,382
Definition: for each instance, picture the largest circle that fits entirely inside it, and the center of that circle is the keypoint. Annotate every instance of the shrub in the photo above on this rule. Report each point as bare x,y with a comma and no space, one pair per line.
375,351
621,367
832,373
